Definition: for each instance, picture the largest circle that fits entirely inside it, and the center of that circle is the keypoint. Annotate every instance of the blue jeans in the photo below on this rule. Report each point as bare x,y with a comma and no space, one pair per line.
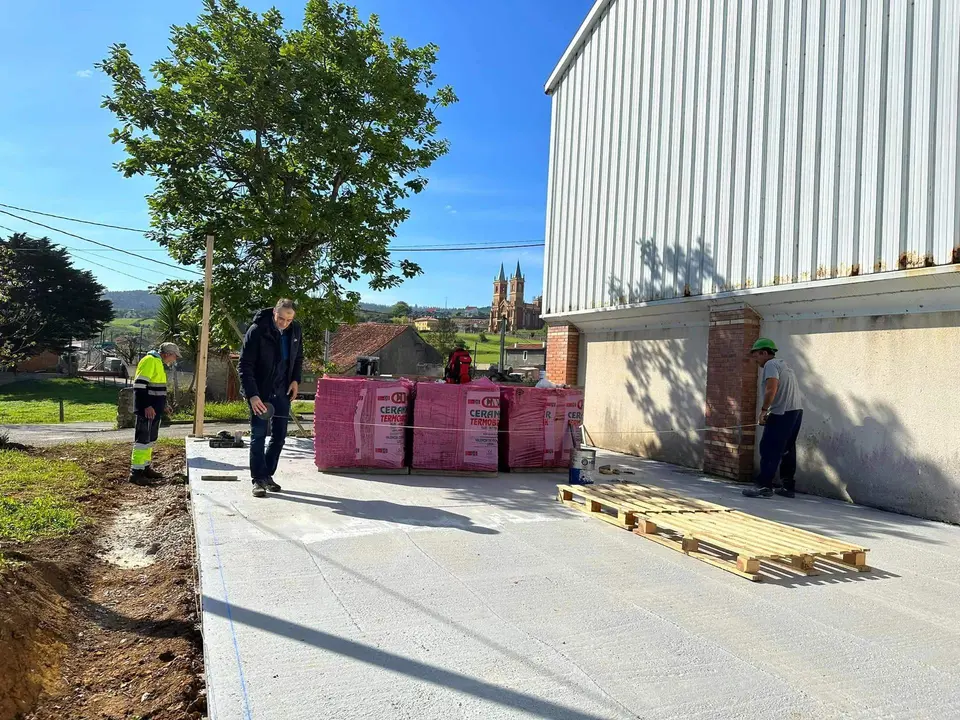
263,463
778,449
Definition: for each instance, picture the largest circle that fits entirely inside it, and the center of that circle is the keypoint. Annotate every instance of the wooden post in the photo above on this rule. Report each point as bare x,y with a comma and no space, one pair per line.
201,377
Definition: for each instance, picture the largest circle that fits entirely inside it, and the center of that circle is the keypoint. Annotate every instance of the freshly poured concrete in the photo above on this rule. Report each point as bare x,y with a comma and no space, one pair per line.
435,598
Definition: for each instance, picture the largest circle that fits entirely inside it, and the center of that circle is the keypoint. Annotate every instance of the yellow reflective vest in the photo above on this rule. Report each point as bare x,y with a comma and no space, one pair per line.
150,384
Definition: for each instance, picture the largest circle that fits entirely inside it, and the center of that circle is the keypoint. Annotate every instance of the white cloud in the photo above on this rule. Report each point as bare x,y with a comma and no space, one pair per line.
450,209
84,73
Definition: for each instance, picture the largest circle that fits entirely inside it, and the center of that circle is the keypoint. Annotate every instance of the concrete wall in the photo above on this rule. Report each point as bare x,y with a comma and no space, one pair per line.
403,355
882,410
644,380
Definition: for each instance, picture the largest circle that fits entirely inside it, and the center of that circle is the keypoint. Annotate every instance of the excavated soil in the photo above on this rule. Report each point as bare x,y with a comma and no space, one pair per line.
103,624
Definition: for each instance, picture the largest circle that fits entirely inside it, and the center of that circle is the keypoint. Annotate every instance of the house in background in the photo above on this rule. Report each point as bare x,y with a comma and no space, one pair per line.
804,187
426,324
527,355
400,348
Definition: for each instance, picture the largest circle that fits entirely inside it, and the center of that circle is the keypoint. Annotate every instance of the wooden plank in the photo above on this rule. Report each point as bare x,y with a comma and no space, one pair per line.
453,473
595,510
364,471
701,556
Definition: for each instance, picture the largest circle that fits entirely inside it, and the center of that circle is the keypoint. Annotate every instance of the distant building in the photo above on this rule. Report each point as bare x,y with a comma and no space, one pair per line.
400,348
510,305
526,355
426,324
470,325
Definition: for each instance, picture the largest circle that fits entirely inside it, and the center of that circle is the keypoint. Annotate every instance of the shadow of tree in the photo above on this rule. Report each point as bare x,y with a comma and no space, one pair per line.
850,449
385,511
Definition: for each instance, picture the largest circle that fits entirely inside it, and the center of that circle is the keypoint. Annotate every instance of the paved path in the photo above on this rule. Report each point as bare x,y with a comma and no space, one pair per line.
437,598
43,435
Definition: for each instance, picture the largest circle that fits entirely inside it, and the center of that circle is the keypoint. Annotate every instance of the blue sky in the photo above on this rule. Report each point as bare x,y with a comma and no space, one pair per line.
55,154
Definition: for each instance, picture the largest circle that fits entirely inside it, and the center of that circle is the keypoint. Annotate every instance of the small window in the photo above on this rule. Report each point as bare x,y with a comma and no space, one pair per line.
524,355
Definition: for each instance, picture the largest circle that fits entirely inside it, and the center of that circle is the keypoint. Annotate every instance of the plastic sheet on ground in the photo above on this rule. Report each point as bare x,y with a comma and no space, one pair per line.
456,427
361,423
535,426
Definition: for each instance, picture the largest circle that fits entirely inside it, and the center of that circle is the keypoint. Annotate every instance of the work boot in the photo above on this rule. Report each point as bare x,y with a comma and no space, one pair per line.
271,485
758,492
137,477
785,492
151,474
259,490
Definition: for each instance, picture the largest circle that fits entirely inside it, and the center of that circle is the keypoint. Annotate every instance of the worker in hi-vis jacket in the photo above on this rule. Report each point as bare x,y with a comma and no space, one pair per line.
149,402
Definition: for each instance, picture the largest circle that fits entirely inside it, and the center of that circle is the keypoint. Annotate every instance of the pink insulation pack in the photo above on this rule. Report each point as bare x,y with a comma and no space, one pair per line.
535,424
456,427
361,423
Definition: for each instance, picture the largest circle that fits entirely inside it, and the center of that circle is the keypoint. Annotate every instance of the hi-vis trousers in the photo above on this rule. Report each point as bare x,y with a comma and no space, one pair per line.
144,438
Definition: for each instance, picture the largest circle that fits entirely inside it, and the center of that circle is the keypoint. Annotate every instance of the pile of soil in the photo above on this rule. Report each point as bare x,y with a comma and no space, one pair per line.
103,623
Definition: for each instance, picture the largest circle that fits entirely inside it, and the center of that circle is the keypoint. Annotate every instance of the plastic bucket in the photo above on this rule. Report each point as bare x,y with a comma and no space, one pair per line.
583,464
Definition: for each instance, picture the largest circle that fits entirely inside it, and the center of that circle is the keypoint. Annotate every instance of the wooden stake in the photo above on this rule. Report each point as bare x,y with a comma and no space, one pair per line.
201,383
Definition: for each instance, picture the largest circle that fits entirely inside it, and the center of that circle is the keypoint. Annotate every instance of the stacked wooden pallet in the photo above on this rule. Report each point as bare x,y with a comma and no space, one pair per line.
721,536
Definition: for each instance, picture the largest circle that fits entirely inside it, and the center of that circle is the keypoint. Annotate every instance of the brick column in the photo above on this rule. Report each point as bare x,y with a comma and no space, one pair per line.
731,392
563,354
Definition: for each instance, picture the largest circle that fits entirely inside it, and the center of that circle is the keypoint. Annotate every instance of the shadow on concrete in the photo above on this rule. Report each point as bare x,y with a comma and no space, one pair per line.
317,556
202,463
516,492
370,655
828,517
388,512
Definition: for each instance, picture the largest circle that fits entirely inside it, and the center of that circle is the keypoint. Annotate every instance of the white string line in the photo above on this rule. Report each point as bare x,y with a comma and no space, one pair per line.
518,432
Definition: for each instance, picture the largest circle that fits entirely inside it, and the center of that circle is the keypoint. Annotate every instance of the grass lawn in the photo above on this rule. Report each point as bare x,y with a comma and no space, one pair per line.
38,496
236,411
489,352
35,402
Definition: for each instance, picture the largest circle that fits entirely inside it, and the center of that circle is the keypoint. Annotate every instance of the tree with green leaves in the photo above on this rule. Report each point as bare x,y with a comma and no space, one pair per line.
295,148
446,335
401,310
45,302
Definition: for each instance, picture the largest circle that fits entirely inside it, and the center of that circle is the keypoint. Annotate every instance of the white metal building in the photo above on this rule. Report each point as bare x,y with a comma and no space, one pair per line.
794,162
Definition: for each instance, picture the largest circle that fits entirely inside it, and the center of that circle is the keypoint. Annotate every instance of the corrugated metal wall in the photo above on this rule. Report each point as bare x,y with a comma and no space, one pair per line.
699,146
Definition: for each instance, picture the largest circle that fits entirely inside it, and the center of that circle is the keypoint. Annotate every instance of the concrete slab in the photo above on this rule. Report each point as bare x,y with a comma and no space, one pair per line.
355,596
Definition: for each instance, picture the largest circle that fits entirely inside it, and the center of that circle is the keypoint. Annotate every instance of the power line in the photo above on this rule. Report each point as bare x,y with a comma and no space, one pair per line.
83,255
95,242
415,248
73,219
466,249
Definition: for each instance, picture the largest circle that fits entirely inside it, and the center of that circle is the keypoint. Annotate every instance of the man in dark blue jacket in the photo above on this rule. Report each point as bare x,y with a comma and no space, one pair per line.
271,366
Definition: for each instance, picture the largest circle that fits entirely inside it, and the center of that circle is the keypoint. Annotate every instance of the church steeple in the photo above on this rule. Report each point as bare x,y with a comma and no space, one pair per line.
502,277
518,273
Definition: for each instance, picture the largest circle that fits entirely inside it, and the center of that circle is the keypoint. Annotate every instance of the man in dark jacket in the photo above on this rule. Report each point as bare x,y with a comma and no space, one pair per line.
271,365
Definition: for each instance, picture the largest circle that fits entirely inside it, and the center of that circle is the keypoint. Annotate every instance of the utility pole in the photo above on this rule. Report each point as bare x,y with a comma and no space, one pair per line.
503,341
201,369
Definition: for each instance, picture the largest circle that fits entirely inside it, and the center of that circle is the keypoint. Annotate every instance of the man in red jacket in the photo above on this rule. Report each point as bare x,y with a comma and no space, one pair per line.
458,365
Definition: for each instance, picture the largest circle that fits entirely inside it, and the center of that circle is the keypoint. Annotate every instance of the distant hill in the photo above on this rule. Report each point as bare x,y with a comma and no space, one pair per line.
133,303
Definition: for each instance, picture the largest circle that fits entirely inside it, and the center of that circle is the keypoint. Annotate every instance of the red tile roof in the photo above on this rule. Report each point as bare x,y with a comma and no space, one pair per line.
527,346
349,341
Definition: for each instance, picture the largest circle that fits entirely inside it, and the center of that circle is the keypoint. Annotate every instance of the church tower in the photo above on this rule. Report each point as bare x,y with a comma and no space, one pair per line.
516,300
499,297
516,285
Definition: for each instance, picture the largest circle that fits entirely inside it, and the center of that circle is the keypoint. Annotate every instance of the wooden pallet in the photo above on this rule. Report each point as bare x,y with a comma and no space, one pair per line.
721,536
364,471
622,504
738,542
454,473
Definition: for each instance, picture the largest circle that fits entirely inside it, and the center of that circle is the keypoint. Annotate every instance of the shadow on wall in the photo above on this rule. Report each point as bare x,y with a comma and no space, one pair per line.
665,359
862,451
854,450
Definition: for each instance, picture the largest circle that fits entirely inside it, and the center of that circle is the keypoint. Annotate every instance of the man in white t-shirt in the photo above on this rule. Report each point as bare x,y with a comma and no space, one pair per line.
781,415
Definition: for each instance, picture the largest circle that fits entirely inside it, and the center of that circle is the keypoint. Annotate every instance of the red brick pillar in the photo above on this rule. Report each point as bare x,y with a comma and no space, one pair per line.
563,354
731,392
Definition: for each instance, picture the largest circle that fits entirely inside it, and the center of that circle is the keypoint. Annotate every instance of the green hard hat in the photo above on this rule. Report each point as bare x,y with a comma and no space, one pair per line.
764,344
